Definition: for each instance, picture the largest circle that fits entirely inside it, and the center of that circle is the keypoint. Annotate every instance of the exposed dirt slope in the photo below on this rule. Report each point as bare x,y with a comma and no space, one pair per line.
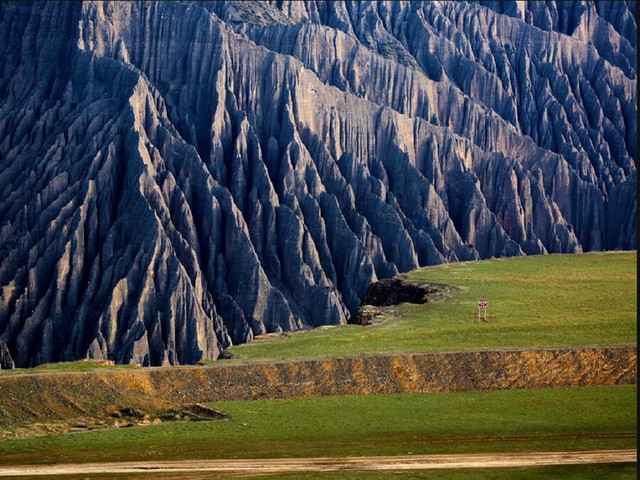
54,402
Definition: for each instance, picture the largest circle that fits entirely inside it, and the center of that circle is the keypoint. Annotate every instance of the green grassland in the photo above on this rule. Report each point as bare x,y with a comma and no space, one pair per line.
77,366
537,301
544,301
510,421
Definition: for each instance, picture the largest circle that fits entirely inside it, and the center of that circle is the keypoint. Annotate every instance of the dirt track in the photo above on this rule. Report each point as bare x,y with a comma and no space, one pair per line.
248,467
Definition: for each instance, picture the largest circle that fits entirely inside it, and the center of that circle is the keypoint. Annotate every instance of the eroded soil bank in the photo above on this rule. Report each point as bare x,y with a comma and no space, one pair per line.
36,404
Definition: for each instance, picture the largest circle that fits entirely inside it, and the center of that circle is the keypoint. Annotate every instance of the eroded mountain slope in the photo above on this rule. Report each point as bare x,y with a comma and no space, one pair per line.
177,177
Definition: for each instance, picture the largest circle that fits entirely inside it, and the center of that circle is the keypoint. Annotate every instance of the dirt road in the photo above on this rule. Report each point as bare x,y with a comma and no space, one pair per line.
326,464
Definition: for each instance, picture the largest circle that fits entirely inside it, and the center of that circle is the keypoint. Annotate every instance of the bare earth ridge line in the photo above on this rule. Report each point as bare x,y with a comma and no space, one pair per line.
328,464
247,362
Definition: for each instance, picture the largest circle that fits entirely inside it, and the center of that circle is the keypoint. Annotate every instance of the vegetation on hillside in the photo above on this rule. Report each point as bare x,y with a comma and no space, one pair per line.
536,301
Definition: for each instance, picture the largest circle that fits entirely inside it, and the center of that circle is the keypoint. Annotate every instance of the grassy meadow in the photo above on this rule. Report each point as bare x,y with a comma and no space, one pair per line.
543,301
536,301
517,420
77,366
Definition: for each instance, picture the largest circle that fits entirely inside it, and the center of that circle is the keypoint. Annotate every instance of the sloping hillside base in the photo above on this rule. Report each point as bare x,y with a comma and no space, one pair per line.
38,404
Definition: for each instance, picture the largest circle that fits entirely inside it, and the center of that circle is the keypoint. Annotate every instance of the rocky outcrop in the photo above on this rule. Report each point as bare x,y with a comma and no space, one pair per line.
394,291
6,361
622,216
197,173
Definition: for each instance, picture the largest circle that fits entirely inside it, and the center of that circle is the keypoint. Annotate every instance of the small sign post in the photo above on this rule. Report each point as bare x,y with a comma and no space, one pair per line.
482,307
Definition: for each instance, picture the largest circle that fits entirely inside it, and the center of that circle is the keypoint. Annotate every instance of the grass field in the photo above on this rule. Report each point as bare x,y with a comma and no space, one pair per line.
537,301
544,301
517,420
77,366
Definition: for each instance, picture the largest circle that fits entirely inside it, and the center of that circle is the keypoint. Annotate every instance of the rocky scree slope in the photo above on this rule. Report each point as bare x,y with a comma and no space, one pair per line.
178,177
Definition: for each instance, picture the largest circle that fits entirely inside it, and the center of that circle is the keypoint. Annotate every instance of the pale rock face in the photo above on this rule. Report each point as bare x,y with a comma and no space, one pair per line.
178,177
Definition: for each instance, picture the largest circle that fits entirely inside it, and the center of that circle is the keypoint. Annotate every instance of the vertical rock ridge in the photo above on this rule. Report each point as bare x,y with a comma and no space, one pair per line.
199,173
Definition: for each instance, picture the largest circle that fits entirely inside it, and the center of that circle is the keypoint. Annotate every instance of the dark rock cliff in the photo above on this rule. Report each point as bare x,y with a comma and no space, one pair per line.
177,177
